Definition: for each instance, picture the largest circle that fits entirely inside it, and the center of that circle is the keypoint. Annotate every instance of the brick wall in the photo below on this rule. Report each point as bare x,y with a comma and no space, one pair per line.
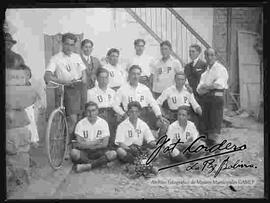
242,19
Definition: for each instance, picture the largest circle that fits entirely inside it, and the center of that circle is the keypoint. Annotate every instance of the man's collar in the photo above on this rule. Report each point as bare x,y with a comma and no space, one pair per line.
195,61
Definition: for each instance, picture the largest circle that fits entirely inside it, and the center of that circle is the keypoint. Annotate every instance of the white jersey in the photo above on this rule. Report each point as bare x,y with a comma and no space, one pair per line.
66,67
141,93
126,133
144,62
217,75
92,132
104,99
175,132
176,98
117,75
164,72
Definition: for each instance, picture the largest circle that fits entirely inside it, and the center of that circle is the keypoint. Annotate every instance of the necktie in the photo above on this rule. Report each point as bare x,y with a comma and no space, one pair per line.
88,60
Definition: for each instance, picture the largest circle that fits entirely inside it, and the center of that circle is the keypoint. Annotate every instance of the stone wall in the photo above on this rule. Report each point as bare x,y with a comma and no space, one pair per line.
18,136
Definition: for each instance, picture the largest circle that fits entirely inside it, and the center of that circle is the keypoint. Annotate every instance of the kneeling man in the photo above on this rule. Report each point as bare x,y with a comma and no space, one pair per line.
92,134
186,131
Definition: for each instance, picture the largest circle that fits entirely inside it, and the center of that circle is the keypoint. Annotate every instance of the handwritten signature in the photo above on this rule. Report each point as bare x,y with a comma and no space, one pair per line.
222,148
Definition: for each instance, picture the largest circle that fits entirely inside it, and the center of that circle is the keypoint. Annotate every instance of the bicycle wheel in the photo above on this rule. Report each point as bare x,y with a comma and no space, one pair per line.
57,138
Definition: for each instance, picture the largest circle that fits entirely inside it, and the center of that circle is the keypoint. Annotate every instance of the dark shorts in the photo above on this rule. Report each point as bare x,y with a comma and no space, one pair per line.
73,100
93,154
149,117
156,95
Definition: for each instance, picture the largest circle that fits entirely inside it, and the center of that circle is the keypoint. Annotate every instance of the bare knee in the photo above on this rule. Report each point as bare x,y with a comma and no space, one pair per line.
111,155
75,154
121,153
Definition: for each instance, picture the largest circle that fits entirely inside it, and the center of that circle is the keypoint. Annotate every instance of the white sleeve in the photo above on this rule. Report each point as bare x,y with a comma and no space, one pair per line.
106,130
52,65
193,102
169,135
119,137
178,67
222,78
78,129
153,103
82,65
194,132
162,97
117,102
148,135
90,95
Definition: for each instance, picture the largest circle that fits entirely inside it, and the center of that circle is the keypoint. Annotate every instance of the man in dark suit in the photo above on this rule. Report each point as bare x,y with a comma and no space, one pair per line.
193,71
195,68
91,63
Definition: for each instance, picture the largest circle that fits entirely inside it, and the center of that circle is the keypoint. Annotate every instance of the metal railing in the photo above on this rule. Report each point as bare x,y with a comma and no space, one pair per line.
167,24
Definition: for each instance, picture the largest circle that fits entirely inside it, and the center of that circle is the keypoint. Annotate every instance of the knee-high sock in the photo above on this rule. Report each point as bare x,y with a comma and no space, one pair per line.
99,162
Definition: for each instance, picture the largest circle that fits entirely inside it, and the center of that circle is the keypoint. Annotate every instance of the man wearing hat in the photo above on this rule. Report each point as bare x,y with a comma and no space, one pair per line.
13,60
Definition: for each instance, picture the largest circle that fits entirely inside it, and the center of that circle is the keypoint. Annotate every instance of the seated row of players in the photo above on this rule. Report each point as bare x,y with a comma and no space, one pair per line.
92,132
110,102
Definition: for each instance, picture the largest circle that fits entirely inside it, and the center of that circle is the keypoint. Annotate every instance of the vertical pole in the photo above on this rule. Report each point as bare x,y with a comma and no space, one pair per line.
228,47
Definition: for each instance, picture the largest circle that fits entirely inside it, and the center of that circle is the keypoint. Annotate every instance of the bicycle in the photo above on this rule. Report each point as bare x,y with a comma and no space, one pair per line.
57,134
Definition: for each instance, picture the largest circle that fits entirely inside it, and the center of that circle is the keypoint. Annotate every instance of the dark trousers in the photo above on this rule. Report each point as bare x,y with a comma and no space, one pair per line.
212,116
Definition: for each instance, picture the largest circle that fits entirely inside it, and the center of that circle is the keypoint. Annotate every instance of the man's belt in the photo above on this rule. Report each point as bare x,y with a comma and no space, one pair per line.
215,92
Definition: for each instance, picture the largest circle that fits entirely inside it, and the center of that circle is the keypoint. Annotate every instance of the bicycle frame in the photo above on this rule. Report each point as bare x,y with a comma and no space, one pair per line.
62,107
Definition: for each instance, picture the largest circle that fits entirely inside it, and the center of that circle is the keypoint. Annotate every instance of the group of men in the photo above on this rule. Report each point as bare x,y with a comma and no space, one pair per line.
113,110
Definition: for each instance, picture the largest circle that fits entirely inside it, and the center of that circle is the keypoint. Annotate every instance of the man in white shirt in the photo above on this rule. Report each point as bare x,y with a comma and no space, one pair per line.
117,74
67,68
177,95
186,131
92,135
163,70
104,97
133,136
135,91
212,84
142,60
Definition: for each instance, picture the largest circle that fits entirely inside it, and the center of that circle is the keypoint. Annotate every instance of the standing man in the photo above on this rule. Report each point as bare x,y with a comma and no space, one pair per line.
135,91
177,95
142,60
13,60
67,68
104,96
211,88
117,75
195,68
92,63
92,135
164,69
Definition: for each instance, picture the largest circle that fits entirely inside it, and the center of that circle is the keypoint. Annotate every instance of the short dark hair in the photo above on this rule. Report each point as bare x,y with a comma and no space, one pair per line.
25,67
166,43
134,67
197,47
90,103
86,41
134,104
180,73
113,50
183,107
69,36
137,41
101,70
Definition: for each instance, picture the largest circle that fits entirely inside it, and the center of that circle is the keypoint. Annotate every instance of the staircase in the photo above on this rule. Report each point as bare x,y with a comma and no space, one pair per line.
167,24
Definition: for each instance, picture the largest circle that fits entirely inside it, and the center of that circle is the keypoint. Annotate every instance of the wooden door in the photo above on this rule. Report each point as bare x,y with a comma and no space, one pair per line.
53,44
249,72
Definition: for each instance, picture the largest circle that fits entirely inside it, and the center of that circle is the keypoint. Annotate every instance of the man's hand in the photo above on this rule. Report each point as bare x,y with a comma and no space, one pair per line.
189,88
162,119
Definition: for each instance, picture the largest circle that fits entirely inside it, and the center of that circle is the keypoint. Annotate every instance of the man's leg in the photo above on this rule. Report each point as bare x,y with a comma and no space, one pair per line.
125,155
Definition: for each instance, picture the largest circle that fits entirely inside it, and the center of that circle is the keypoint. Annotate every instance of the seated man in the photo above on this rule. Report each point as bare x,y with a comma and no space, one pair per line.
184,130
92,134
133,135
104,97
135,91
178,95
